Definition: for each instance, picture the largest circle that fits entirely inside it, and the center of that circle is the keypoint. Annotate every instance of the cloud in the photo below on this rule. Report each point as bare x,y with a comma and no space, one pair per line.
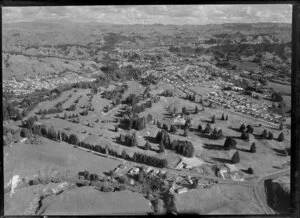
165,14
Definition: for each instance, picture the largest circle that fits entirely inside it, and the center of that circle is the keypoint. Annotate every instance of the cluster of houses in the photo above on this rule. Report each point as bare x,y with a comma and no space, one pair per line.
229,171
29,85
229,100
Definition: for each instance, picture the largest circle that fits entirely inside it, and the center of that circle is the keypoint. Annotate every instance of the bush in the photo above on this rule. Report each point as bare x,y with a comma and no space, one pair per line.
230,143
253,148
235,158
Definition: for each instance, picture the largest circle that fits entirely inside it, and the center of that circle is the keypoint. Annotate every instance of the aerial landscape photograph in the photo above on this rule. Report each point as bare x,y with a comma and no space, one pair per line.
147,110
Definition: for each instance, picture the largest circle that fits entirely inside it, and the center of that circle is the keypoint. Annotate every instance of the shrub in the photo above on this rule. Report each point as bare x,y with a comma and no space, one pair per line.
196,110
230,143
235,158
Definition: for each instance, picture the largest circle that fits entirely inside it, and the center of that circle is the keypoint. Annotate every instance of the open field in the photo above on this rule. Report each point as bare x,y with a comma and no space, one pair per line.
219,200
280,87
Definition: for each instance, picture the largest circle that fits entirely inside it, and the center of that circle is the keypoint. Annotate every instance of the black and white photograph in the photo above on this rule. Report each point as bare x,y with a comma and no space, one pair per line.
147,109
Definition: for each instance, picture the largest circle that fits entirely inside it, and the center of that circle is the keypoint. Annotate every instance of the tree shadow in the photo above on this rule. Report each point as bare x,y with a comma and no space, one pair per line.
221,160
204,135
151,139
206,121
123,126
245,171
273,128
234,129
213,147
243,149
280,152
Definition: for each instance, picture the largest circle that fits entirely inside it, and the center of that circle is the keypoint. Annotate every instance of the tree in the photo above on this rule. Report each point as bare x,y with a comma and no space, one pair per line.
133,140
253,148
250,129
242,127
213,120
116,129
281,137
245,136
207,129
147,146
25,133
199,128
73,139
235,158
227,117
276,97
124,155
195,184
264,134
230,143
223,118
161,147
165,126
173,129
281,125
174,111
196,110
270,136
250,170
214,133
184,110
185,133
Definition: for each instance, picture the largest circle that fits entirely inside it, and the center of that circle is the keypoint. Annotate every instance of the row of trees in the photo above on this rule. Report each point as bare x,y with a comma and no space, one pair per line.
149,160
51,111
182,147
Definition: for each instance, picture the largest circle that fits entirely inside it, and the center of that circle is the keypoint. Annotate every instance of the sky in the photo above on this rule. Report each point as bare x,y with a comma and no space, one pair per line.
149,14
